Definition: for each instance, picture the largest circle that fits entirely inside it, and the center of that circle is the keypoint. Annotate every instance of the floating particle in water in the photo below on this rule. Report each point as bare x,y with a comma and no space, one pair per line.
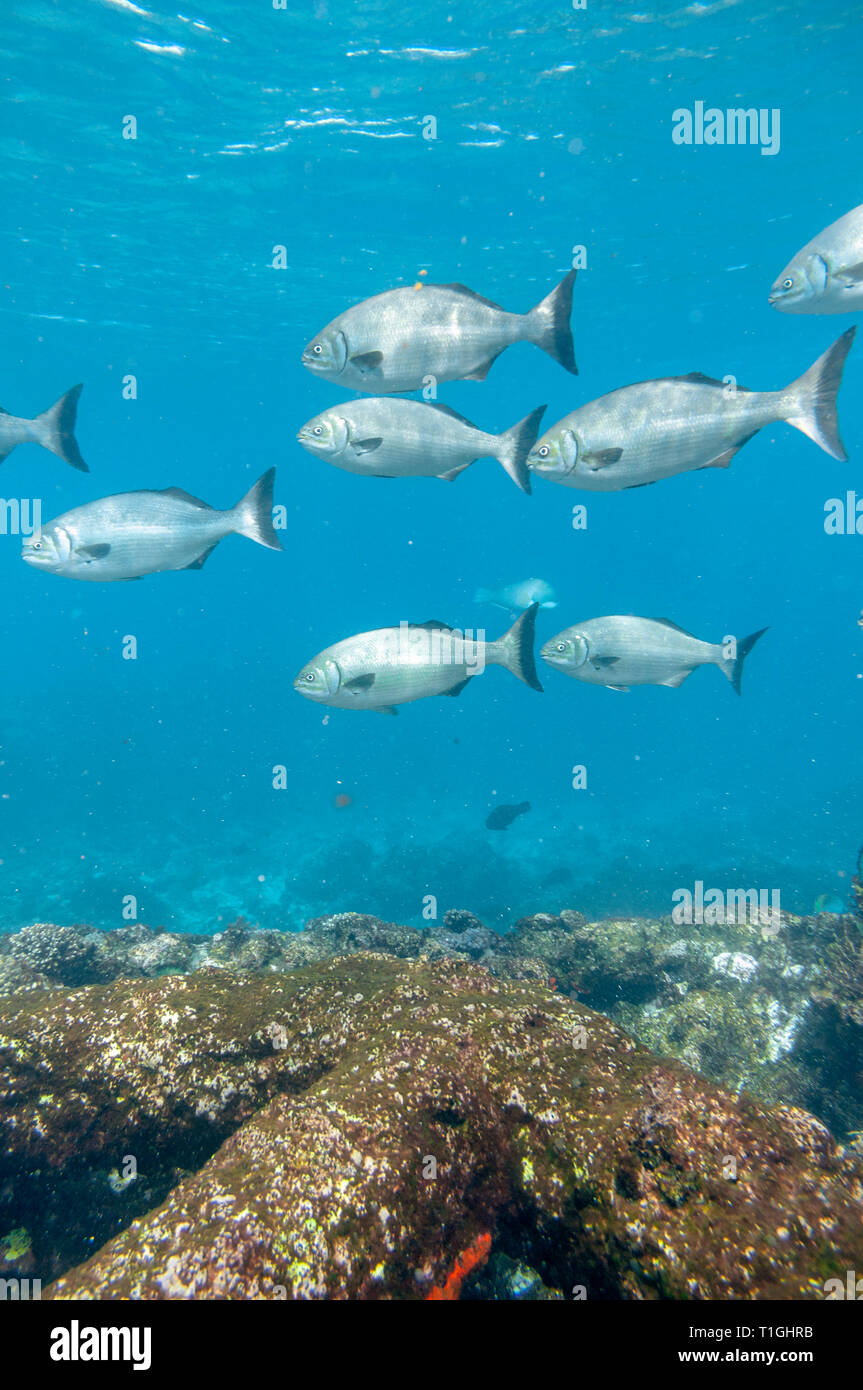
343,800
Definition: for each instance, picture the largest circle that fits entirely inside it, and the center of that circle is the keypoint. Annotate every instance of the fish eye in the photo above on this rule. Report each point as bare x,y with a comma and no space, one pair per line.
543,452
35,545
317,348
787,284
318,429
310,676
561,646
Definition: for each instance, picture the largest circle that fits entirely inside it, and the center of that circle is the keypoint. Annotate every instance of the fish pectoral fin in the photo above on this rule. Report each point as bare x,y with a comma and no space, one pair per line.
600,458
452,473
182,496
599,662
723,460
481,372
361,682
93,552
367,361
368,446
624,689
850,278
679,678
457,689
201,560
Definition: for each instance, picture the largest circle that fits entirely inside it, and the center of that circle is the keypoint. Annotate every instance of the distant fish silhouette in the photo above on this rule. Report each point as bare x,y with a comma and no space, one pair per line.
503,816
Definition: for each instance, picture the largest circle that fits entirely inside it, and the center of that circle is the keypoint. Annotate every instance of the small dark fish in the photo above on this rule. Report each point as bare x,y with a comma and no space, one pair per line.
503,816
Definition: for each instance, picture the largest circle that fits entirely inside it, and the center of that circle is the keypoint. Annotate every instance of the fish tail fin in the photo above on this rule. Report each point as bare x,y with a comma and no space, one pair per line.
550,327
253,514
56,429
732,666
514,445
515,649
813,411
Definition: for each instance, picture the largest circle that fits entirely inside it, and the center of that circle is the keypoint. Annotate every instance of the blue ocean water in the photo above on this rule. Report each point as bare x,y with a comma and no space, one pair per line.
154,258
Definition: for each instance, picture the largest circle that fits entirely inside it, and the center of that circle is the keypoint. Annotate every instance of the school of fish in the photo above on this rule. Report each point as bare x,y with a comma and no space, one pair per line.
414,339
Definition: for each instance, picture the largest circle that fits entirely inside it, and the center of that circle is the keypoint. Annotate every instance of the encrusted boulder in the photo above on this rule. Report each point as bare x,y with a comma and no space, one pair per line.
375,1128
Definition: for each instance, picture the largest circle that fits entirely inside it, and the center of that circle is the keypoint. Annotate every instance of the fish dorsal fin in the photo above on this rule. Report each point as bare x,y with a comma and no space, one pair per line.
666,622
448,410
700,379
2,411
182,496
432,625
472,294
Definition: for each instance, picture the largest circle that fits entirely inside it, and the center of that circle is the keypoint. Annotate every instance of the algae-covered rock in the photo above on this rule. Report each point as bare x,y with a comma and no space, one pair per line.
413,1111
65,955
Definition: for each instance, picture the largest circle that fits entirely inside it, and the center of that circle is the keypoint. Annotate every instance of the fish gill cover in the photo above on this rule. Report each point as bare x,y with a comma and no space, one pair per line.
315,278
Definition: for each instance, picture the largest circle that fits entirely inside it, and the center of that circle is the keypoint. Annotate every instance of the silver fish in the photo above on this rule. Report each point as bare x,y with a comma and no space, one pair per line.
623,651
136,533
655,429
385,438
395,340
826,277
54,429
395,665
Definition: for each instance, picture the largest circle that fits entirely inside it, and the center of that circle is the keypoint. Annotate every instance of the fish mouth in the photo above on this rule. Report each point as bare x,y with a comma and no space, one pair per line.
303,687
39,562
309,441
316,364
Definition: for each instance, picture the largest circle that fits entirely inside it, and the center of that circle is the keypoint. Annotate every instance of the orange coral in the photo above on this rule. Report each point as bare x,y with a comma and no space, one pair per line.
469,1259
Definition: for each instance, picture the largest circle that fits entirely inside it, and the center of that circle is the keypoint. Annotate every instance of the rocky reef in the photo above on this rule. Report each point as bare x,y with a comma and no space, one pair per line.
368,1110
778,1011
369,1127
